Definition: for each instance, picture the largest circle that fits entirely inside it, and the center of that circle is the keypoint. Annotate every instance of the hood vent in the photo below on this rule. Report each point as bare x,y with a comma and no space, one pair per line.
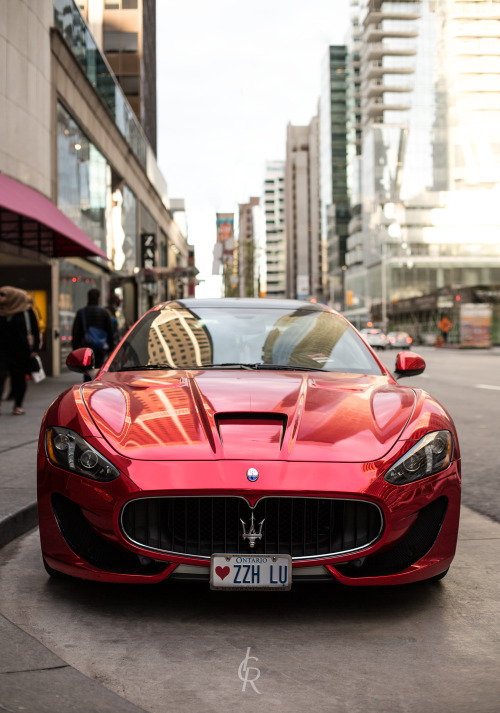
246,434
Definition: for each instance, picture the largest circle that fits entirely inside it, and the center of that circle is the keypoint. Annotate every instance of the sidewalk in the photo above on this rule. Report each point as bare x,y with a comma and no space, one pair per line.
33,678
18,444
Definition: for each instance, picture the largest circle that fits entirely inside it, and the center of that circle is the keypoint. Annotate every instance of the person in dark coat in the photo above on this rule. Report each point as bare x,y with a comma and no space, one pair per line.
93,315
19,342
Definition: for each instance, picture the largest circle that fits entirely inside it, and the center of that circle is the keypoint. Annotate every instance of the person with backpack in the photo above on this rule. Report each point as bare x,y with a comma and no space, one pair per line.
92,328
19,342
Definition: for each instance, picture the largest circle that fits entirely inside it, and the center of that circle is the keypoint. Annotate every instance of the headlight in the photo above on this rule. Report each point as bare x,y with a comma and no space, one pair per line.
430,455
70,451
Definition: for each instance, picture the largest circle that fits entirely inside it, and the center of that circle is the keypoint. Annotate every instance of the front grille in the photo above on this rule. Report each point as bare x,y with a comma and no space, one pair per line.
300,527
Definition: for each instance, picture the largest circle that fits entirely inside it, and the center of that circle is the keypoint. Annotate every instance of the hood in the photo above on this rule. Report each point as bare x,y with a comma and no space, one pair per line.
249,415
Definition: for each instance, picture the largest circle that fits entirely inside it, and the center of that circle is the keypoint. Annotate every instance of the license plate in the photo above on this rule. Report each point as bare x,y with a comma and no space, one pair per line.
251,572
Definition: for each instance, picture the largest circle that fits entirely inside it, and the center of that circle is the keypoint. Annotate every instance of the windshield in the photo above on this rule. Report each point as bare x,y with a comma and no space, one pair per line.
176,337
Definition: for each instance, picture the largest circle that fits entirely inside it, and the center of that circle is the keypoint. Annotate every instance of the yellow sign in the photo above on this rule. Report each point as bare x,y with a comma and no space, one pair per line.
39,299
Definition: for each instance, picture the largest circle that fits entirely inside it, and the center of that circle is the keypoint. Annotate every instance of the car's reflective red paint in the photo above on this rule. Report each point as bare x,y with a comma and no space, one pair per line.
328,417
80,360
166,433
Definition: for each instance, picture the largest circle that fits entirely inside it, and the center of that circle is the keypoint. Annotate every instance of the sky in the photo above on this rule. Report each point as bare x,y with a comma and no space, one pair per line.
230,76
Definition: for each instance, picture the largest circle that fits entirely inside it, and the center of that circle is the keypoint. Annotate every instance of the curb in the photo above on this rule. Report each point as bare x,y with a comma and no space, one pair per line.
17,523
36,679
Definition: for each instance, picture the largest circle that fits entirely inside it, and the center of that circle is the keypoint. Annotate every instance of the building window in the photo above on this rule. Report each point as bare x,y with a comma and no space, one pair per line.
129,84
115,5
83,179
121,42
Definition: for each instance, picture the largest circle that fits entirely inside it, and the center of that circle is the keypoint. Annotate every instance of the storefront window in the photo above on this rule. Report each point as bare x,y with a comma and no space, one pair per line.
73,289
83,179
124,222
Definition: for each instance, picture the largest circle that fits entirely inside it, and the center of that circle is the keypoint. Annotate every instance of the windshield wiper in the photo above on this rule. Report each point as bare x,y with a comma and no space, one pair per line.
287,367
226,364
256,366
229,364
146,367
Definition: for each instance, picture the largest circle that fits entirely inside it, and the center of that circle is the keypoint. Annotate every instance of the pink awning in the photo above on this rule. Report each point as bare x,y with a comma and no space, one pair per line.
30,220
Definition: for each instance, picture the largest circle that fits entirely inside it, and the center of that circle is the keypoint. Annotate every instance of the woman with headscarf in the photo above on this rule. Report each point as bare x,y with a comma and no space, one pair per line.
19,342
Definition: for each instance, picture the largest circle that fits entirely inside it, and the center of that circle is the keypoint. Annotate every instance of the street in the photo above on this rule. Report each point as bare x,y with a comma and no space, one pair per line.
467,383
180,647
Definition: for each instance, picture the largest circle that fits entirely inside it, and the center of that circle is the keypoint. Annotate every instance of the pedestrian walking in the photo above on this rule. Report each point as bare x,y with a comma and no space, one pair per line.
92,328
19,342
113,309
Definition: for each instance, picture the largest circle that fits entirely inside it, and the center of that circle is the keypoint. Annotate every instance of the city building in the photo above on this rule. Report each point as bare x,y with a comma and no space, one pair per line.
125,31
302,212
426,183
225,254
335,214
82,201
274,217
354,144
247,249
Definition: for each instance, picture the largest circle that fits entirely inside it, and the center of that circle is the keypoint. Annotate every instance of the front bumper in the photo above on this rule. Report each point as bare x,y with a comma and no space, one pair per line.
81,528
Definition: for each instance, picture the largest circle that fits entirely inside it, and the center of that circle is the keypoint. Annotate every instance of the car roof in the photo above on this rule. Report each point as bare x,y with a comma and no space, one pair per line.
248,303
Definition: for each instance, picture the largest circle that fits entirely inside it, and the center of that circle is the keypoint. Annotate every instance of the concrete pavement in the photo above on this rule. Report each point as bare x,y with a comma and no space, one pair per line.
18,443
32,678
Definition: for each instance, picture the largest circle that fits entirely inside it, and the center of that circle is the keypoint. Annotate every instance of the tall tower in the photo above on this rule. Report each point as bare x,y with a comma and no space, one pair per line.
302,212
125,31
333,171
248,274
274,214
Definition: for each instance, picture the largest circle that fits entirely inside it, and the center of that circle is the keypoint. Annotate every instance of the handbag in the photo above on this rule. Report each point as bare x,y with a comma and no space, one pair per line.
94,337
37,371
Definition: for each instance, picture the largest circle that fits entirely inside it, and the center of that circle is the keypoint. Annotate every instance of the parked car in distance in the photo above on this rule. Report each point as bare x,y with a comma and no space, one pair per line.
399,340
376,338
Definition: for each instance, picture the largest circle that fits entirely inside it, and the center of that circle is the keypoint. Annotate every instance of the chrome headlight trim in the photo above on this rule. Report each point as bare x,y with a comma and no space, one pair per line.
432,454
67,450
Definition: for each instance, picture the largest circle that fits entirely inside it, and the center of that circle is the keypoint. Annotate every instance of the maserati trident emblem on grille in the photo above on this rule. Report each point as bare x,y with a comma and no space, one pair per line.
252,534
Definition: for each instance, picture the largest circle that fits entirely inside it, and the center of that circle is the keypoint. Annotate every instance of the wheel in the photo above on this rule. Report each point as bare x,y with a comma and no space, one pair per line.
54,573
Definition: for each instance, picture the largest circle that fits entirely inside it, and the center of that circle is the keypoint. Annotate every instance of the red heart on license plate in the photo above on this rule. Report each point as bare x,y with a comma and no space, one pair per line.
222,571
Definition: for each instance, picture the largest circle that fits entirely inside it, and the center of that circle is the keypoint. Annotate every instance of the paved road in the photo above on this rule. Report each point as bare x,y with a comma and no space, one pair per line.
467,383
430,647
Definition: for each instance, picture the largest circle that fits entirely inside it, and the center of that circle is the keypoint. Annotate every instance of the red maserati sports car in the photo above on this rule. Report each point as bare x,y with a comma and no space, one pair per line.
252,444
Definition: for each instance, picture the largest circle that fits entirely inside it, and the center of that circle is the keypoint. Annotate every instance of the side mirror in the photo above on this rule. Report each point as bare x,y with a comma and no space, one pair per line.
408,364
80,360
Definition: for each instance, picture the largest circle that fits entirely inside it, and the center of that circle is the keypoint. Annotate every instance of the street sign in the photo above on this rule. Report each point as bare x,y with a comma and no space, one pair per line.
445,325
148,250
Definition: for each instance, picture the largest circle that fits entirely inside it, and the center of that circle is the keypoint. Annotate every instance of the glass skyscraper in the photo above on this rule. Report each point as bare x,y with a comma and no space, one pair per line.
425,183
333,172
